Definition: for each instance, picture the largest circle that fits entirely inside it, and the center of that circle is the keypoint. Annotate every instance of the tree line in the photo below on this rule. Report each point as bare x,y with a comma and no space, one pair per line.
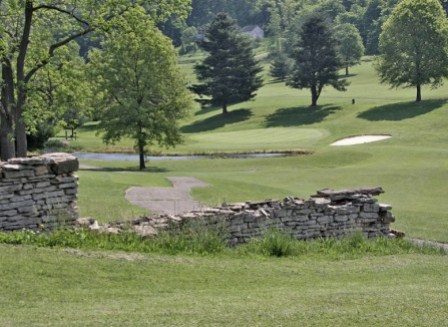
130,80
413,43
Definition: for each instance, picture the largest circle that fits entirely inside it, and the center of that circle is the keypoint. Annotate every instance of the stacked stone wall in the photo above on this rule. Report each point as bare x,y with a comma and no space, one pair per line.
38,192
327,214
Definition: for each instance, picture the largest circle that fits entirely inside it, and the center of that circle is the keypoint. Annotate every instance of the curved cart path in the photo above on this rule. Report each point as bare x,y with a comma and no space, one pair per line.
167,200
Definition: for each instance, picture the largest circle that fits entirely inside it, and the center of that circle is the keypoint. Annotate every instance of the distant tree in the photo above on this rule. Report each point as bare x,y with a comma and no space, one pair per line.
274,29
230,72
189,38
414,46
350,48
142,87
280,65
444,5
316,63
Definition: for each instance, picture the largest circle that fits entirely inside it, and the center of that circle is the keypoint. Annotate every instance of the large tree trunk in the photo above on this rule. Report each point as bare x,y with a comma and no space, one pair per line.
141,154
141,146
6,117
314,96
6,139
419,93
20,131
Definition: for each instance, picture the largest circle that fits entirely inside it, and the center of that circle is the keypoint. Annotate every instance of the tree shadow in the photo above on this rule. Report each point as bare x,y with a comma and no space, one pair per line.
205,109
88,128
401,111
218,121
296,116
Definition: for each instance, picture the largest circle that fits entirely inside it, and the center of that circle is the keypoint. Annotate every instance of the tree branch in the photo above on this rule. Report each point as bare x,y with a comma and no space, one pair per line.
71,14
51,51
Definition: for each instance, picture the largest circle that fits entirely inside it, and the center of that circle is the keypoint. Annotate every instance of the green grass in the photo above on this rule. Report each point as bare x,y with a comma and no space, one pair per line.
57,287
412,166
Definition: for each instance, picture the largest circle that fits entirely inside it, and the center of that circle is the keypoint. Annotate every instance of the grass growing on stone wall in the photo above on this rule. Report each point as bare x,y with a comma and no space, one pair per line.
199,240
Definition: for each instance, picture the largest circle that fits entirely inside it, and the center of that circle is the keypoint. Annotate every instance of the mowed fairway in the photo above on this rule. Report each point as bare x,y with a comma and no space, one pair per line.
412,166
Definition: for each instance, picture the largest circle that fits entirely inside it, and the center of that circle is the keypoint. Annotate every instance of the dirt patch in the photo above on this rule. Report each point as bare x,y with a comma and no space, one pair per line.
167,200
107,255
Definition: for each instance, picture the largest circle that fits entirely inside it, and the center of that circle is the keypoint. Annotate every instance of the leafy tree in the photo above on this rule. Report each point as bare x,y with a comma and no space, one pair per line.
316,63
61,87
31,31
350,48
414,46
144,92
189,38
230,72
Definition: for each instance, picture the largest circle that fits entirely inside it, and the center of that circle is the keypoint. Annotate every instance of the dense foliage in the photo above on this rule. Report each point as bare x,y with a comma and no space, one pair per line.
316,63
414,46
31,35
229,73
143,92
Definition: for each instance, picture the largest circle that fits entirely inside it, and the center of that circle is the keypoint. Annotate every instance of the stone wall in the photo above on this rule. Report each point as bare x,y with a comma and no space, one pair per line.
327,214
38,192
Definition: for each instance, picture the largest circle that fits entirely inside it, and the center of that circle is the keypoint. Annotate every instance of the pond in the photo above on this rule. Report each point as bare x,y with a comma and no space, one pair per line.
134,157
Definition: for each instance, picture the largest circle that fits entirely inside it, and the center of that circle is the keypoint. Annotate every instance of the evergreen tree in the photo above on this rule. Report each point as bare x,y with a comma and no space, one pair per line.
316,62
280,65
230,72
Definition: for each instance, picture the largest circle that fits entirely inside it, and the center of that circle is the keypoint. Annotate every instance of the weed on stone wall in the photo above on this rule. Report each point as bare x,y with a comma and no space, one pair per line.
195,240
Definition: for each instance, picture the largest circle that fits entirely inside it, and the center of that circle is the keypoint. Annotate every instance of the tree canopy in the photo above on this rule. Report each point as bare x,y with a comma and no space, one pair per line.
414,46
143,89
31,32
350,48
316,63
229,72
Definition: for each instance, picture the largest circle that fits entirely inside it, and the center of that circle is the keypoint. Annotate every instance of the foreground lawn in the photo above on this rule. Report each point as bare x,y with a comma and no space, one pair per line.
50,287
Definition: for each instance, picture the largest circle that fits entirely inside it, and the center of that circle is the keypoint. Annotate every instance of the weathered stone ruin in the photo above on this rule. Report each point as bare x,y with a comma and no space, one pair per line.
327,214
38,192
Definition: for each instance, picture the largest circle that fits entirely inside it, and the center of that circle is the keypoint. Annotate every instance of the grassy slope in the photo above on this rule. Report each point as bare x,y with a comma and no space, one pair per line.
57,288
47,287
412,166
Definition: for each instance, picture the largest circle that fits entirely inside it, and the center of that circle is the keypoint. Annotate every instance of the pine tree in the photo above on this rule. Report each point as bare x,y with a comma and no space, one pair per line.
230,72
280,65
316,62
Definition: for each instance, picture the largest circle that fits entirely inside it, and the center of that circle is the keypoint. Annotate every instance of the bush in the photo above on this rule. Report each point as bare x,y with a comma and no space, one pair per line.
55,145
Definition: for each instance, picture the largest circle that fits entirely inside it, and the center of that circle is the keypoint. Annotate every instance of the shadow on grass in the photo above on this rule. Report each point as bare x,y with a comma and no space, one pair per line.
90,127
205,109
401,111
218,121
296,116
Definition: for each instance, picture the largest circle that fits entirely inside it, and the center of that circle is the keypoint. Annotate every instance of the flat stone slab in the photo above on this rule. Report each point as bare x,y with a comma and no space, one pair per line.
167,200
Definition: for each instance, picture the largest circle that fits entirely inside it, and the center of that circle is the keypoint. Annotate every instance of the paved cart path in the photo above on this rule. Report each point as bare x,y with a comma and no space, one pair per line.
167,200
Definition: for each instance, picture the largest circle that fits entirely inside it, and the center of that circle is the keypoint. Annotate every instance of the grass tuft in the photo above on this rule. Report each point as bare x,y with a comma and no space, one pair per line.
195,239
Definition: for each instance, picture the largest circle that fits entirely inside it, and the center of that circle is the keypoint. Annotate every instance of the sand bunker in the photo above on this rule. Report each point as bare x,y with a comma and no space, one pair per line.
361,139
